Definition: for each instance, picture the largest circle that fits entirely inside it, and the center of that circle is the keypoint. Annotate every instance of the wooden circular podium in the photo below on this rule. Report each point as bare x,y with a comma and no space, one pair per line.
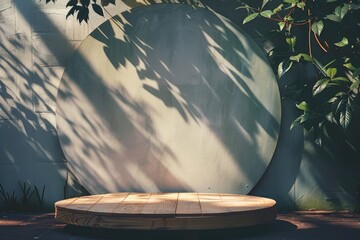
168,211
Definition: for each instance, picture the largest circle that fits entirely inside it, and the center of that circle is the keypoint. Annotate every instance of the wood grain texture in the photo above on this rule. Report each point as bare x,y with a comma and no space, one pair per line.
108,203
161,204
188,204
172,211
133,203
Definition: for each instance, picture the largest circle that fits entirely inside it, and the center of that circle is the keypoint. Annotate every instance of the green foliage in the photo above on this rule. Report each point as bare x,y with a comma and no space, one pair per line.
326,36
357,208
26,196
27,203
40,197
9,200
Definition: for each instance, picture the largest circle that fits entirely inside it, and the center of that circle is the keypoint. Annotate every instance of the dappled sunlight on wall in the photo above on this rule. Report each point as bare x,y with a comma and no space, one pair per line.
163,102
35,44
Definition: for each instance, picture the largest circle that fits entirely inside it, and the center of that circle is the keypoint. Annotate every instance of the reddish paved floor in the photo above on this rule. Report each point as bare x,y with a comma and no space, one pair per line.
296,225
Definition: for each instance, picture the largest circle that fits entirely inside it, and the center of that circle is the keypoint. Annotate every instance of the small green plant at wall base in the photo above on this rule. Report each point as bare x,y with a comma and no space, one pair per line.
357,208
40,197
26,196
324,36
9,200
28,202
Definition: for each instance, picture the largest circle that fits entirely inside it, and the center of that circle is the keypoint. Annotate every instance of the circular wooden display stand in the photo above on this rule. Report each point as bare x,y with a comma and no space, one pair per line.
171,211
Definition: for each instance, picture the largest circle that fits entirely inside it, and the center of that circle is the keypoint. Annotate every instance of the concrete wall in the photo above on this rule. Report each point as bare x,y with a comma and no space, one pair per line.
36,43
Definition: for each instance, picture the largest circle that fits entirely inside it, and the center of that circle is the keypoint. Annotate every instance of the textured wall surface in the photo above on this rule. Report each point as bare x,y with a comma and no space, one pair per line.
36,43
165,101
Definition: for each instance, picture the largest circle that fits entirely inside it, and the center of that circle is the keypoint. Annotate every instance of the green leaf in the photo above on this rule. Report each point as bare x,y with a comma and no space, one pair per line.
292,2
307,116
330,117
244,6
305,56
345,116
331,72
288,18
303,106
328,64
250,17
355,85
354,105
344,10
332,100
344,79
349,66
333,17
283,67
97,9
289,26
278,9
340,94
281,25
342,43
320,86
338,106
354,6
338,11
301,5
356,73
317,27
264,3
266,13
297,122
292,42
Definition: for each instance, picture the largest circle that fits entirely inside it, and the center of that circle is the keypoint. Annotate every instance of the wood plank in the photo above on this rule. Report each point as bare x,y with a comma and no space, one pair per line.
188,204
176,211
84,203
161,203
65,202
211,203
109,202
133,203
242,203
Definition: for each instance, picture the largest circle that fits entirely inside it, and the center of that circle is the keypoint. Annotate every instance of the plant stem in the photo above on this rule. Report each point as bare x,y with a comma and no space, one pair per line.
319,43
309,39
309,34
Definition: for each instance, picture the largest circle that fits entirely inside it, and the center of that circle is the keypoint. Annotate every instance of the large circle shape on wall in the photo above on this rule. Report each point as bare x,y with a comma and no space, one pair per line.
168,98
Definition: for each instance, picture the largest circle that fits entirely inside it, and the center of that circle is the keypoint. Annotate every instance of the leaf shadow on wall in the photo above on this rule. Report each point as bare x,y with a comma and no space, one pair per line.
182,86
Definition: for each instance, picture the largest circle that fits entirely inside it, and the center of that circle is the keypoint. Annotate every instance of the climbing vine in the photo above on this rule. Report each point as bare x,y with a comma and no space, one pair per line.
325,36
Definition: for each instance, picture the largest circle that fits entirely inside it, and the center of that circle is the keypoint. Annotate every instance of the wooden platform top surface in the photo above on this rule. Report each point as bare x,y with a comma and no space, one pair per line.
165,203
170,211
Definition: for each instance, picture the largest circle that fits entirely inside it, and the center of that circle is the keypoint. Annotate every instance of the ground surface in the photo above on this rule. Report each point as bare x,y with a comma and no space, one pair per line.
295,225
